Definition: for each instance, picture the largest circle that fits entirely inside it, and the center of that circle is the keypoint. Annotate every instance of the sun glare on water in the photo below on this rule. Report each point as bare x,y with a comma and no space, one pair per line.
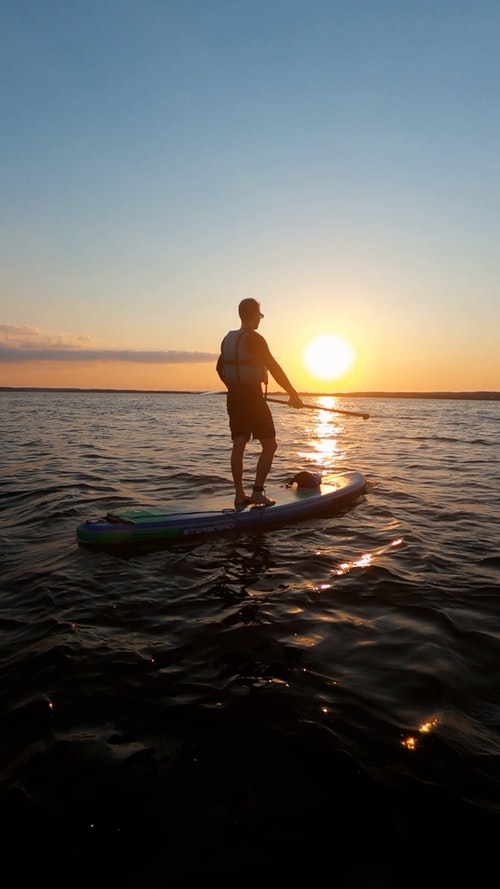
328,357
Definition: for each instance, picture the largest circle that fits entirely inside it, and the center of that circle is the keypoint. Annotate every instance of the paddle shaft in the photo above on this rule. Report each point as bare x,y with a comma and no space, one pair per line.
319,407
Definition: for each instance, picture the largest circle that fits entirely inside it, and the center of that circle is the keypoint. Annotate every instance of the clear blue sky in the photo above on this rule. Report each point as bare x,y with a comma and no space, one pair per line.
162,159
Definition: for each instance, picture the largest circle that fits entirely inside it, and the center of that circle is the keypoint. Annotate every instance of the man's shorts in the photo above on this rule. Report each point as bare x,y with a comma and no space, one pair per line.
249,414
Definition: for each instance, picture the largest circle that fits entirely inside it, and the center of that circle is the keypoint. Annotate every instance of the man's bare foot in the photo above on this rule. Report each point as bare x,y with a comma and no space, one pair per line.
259,498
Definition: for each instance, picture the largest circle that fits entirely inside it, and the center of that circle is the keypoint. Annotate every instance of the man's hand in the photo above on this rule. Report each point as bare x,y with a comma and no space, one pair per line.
295,401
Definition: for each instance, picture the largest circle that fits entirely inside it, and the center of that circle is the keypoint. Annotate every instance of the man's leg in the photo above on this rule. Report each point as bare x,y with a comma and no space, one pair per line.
239,445
264,464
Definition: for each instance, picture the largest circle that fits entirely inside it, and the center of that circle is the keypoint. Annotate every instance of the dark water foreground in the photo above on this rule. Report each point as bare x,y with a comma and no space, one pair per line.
317,703
239,797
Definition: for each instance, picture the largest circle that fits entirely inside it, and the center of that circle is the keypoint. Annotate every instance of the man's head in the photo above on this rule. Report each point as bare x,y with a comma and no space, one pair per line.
249,310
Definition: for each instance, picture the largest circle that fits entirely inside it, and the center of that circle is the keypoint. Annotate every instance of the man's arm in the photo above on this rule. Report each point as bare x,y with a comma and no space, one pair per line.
261,350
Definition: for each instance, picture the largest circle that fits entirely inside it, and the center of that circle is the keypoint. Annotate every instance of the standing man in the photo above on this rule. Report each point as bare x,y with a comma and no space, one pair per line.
242,365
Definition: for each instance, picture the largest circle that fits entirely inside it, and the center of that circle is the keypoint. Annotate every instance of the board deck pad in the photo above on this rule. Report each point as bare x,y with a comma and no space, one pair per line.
209,515
281,493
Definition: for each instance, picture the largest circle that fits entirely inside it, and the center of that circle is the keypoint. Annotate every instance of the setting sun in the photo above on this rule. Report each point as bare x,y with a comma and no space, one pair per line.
328,357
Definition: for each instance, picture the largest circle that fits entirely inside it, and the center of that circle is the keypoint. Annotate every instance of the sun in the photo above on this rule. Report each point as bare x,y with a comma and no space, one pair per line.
328,357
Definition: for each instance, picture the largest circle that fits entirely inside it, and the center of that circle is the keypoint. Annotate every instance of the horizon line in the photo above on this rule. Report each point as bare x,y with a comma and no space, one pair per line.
478,394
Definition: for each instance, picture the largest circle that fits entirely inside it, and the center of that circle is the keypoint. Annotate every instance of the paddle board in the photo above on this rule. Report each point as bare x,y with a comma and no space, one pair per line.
294,503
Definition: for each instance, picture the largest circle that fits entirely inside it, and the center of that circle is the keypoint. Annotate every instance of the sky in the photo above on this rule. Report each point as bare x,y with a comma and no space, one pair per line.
337,160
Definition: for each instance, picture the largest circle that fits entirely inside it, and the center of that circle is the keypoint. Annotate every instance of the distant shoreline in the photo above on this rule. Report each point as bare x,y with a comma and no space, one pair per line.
459,396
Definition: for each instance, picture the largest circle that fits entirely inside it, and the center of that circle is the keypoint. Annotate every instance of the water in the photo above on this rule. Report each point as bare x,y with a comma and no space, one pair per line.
317,700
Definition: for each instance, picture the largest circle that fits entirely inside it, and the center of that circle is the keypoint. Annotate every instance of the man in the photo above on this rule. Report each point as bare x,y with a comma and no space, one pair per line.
242,365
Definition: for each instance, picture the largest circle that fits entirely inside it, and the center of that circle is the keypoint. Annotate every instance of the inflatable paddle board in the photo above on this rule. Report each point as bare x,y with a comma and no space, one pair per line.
294,503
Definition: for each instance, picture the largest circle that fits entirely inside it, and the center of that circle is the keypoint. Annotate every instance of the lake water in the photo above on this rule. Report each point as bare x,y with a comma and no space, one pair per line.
317,701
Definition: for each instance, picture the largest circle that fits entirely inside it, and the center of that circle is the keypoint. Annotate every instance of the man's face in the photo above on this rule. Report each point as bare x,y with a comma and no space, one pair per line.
257,319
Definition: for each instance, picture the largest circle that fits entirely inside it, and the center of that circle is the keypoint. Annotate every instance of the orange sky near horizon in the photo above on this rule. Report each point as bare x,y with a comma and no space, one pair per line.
203,377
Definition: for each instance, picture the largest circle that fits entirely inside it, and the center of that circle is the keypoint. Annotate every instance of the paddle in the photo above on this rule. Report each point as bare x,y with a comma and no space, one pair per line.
319,407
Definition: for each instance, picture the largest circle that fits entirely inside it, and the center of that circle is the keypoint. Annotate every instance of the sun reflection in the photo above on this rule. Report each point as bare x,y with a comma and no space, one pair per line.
428,726
323,435
366,559
411,742
363,561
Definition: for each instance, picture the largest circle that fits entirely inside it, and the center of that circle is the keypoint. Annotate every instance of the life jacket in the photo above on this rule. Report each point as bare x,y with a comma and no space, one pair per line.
238,366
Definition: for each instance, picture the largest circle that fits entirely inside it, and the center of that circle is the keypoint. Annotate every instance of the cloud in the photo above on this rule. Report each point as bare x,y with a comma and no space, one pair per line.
19,345
31,337
19,355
